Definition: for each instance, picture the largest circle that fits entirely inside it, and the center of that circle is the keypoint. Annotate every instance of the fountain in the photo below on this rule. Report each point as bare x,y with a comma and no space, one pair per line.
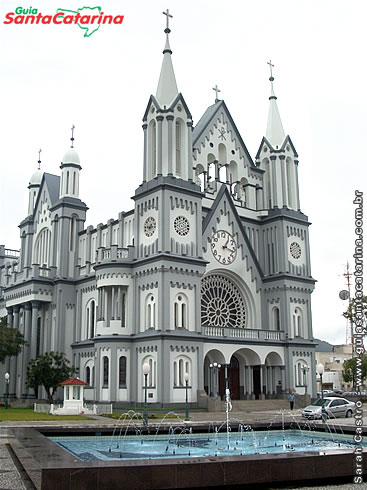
177,454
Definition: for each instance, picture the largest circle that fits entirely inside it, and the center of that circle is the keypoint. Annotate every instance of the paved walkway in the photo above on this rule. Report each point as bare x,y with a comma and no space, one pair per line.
11,479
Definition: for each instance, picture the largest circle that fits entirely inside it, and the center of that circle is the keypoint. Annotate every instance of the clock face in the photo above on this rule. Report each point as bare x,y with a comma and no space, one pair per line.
295,250
224,247
150,226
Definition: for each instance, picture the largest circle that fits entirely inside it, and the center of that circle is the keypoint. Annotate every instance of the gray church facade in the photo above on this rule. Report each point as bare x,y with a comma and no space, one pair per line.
212,265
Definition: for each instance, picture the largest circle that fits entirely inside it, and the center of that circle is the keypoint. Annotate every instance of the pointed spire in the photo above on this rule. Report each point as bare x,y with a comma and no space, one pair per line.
274,131
39,159
167,87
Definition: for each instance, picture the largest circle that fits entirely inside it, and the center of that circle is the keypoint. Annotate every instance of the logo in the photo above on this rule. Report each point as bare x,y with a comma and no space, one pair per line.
89,19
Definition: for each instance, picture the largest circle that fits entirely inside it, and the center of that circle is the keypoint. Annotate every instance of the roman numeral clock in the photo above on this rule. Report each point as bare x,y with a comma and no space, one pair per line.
224,247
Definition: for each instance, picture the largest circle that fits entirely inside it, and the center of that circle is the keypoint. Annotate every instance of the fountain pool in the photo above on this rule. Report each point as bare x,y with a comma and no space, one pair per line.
184,444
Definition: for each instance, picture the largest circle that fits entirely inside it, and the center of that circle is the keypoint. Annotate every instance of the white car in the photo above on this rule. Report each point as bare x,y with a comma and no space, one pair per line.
334,407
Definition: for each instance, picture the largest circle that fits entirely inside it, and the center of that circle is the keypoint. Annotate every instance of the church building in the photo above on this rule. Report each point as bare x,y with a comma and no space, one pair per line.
209,272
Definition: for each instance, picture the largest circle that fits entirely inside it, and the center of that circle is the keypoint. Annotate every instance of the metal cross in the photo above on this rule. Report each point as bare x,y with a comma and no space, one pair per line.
72,135
39,158
168,16
271,68
216,92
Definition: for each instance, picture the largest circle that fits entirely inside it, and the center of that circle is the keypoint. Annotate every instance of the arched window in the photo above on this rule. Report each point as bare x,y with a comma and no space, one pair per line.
87,375
179,152
290,183
297,323
150,312
151,380
152,150
105,362
41,251
180,311
122,372
276,318
181,365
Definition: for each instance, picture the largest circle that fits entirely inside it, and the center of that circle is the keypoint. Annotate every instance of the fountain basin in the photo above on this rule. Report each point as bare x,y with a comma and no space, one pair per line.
51,467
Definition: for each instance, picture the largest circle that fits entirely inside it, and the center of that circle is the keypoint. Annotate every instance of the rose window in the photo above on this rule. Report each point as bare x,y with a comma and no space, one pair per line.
222,304
295,250
181,225
150,226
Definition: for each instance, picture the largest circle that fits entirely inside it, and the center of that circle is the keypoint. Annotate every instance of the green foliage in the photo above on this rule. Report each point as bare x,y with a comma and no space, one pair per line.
11,341
350,368
49,370
351,311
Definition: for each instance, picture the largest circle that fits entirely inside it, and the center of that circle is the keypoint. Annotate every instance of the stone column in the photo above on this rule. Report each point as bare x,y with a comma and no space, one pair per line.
145,165
9,323
189,151
13,359
35,307
274,200
27,346
113,303
114,370
297,185
268,380
282,374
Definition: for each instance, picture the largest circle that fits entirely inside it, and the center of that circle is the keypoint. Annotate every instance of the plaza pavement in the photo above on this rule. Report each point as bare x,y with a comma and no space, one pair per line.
13,479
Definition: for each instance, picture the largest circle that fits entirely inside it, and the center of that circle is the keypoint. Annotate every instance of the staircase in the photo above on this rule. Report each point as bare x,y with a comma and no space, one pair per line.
258,405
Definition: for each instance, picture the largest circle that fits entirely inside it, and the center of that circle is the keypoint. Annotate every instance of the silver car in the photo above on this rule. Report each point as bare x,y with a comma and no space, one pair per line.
334,407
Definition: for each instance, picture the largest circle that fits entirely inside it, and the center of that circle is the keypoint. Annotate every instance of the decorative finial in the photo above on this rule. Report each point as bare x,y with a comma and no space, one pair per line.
216,89
271,79
39,159
167,29
72,136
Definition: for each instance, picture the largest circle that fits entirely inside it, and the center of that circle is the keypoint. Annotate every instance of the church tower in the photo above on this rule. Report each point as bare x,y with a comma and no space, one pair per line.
167,232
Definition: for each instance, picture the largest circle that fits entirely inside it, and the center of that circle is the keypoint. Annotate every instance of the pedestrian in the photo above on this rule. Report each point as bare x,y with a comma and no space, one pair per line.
291,400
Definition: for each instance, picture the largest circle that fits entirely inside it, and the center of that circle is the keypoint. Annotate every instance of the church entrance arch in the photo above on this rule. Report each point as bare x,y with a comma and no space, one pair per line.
233,373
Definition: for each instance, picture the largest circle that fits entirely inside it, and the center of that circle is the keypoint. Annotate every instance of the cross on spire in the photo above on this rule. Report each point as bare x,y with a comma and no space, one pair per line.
271,69
216,89
168,15
39,159
72,136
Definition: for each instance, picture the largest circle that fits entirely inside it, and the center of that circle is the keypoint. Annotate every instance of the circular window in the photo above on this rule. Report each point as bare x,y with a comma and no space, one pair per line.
222,304
295,250
181,225
150,226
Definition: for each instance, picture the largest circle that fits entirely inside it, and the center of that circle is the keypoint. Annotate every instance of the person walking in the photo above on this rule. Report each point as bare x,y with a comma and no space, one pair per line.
291,399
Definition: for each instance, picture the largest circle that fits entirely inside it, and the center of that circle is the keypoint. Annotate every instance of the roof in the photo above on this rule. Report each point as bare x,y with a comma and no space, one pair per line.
53,186
73,381
204,120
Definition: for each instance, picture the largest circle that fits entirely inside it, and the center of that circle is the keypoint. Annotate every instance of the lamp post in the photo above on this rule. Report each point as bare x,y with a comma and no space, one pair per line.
7,376
320,370
187,377
215,367
305,370
146,370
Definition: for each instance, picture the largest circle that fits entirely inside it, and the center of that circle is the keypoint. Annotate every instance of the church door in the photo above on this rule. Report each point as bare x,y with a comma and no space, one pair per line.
233,372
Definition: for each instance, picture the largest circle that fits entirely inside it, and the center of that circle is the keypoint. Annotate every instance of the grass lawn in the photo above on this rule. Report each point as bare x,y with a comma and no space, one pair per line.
20,414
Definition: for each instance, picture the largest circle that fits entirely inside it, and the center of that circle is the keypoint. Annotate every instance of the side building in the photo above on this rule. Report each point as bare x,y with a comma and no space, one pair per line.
211,267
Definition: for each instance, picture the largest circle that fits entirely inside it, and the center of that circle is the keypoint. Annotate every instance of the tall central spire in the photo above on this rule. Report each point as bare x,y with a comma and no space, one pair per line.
167,87
274,131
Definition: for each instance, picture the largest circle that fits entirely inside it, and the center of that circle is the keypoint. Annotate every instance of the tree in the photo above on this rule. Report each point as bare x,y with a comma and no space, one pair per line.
11,341
350,370
350,314
48,370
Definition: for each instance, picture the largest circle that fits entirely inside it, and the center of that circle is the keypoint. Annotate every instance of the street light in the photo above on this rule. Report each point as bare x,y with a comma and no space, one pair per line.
7,376
320,370
305,370
187,377
215,367
146,370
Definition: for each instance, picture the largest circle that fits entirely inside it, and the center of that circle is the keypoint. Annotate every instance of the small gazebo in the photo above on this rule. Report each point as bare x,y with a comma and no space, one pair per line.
73,397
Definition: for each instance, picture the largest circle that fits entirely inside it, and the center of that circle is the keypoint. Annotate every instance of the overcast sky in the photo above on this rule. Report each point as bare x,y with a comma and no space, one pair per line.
53,77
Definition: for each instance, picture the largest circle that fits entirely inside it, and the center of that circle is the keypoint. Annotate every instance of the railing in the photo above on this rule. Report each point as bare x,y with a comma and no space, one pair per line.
243,333
11,253
112,253
99,409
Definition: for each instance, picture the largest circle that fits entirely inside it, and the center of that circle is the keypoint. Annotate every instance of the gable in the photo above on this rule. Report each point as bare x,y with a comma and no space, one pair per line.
223,216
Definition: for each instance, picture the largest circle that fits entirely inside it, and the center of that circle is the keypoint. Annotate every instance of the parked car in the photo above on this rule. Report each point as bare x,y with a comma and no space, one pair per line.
334,407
